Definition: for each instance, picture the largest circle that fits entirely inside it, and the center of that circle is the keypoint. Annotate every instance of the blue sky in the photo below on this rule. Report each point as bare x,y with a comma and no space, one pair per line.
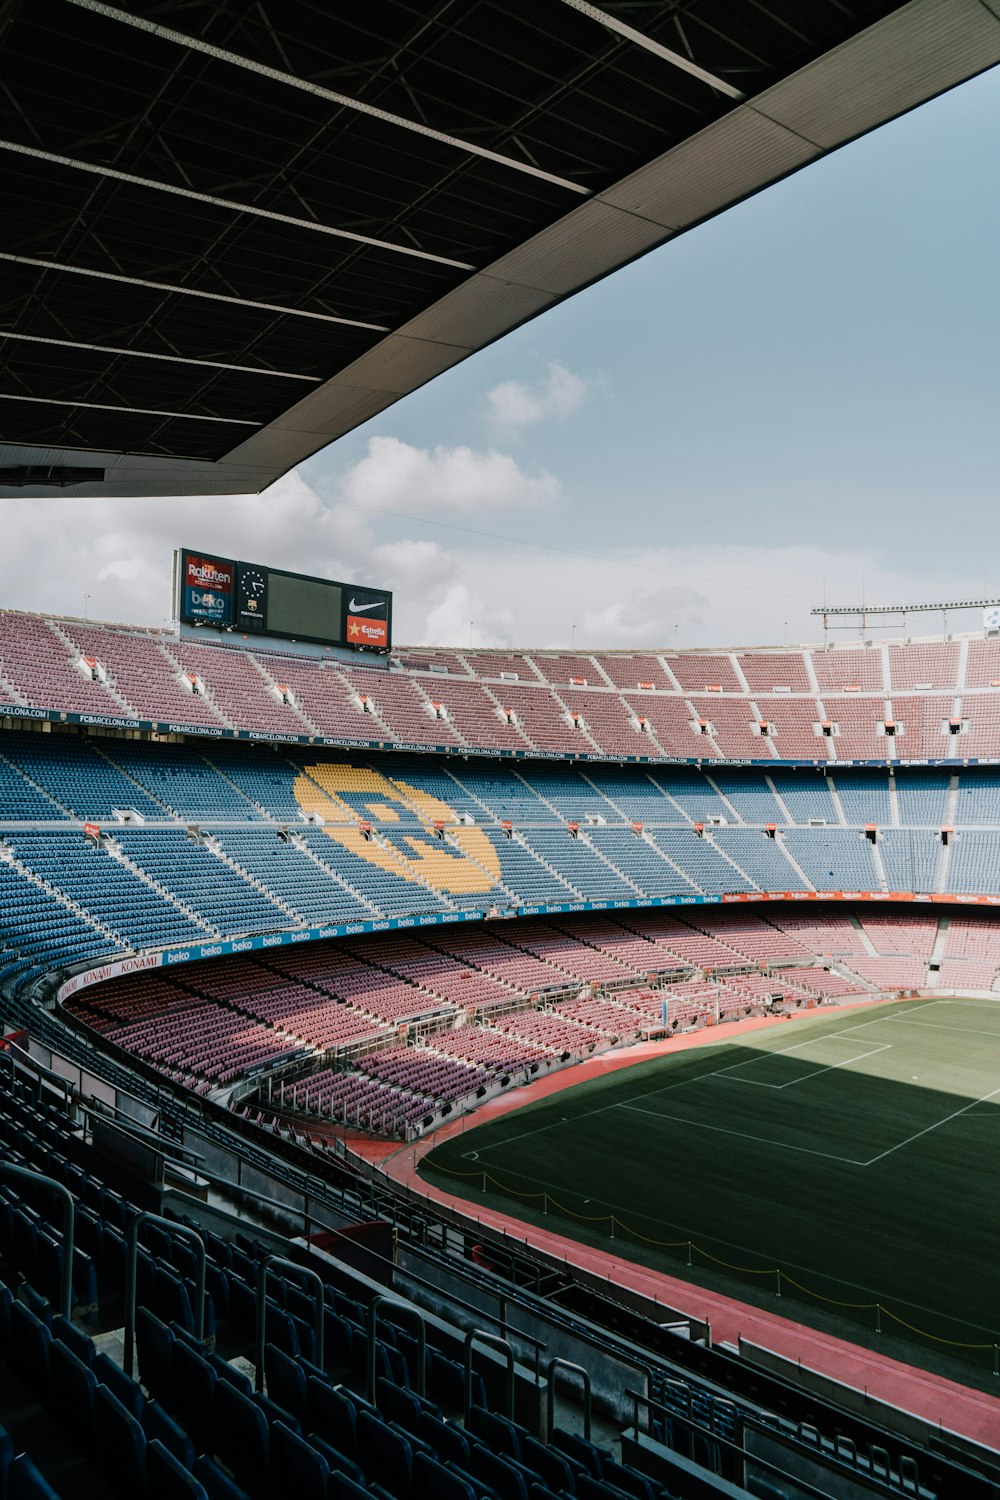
799,394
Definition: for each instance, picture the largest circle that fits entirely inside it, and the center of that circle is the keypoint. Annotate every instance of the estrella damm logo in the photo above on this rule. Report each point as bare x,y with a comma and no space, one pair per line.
348,795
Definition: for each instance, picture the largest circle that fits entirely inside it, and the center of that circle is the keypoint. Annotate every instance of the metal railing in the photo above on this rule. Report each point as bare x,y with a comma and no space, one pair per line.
27,1174
313,1276
148,1217
382,1300
494,1341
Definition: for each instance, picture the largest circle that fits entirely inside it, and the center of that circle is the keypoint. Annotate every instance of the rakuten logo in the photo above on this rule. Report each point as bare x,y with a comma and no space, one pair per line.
203,570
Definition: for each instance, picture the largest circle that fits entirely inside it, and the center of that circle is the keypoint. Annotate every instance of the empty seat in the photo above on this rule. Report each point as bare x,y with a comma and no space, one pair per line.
121,1444
297,1468
168,1478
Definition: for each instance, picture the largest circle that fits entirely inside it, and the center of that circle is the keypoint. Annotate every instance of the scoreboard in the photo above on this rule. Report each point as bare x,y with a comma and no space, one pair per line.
222,593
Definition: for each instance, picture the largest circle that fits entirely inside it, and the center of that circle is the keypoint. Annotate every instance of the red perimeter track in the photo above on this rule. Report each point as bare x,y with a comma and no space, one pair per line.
938,1400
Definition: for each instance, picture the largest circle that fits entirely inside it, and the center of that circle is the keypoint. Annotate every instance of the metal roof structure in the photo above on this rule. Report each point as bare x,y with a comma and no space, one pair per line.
232,232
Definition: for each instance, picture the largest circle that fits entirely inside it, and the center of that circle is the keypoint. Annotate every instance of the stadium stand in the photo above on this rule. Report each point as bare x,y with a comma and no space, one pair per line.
833,859
749,793
911,858
864,797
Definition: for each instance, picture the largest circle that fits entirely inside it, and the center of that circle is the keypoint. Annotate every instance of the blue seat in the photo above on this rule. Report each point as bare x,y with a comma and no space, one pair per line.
510,1480
74,1338
555,1468
331,1414
30,1339
128,1391
589,1488
629,1481
398,1404
169,1479
216,1482
297,1468
241,1434
25,1481
342,1487
155,1343
72,1387
498,1433
6,1458
435,1482
121,1444
226,1371
159,1426
386,1455
286,1381
449,1442
194,1391
337,1462
588,1455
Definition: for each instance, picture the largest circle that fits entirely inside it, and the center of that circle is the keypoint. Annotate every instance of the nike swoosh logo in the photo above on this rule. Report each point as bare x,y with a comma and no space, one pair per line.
359,609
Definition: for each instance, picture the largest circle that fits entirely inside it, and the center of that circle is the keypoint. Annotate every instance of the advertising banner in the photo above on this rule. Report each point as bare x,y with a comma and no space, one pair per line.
207,589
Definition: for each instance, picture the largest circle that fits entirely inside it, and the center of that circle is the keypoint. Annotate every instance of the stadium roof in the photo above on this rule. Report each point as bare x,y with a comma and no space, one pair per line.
231,233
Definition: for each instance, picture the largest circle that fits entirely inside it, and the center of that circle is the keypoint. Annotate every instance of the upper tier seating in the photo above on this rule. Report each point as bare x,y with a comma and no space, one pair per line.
749,794
848,668
698,674
182,782
806,796
933,664
864,797
75,772
626,671
766,670
145,675
817,705
922,797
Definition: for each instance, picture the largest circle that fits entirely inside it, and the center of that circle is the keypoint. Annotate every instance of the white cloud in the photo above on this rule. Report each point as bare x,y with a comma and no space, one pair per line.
118,552
465,619
513,404
396,476
417,568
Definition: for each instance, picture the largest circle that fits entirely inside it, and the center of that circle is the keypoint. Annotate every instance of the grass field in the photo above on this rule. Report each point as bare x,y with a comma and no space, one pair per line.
858,1153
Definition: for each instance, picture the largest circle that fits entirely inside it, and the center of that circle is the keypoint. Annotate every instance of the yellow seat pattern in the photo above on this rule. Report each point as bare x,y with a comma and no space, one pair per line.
475,869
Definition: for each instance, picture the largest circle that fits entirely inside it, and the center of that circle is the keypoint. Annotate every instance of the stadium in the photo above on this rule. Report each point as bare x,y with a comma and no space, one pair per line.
487,1073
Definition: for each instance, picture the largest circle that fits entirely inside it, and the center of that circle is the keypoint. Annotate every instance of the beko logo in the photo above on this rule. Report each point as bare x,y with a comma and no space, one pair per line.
359,609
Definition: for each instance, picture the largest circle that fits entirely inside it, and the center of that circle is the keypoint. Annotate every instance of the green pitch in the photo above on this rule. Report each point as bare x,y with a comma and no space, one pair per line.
857,1154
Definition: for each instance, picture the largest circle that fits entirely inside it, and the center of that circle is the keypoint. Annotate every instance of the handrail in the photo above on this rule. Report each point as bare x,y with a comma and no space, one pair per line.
565,1364
739,1455
148,1217
496,1342
27,1174
382,1300
290,1265
309,1218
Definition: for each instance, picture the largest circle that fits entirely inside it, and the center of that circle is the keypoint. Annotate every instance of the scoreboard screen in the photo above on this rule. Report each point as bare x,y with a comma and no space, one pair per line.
222,593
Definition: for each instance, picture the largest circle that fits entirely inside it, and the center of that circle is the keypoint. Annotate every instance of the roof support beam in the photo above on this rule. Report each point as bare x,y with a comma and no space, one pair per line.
343,101
228,204
188,291
130,411
174,359
676,59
